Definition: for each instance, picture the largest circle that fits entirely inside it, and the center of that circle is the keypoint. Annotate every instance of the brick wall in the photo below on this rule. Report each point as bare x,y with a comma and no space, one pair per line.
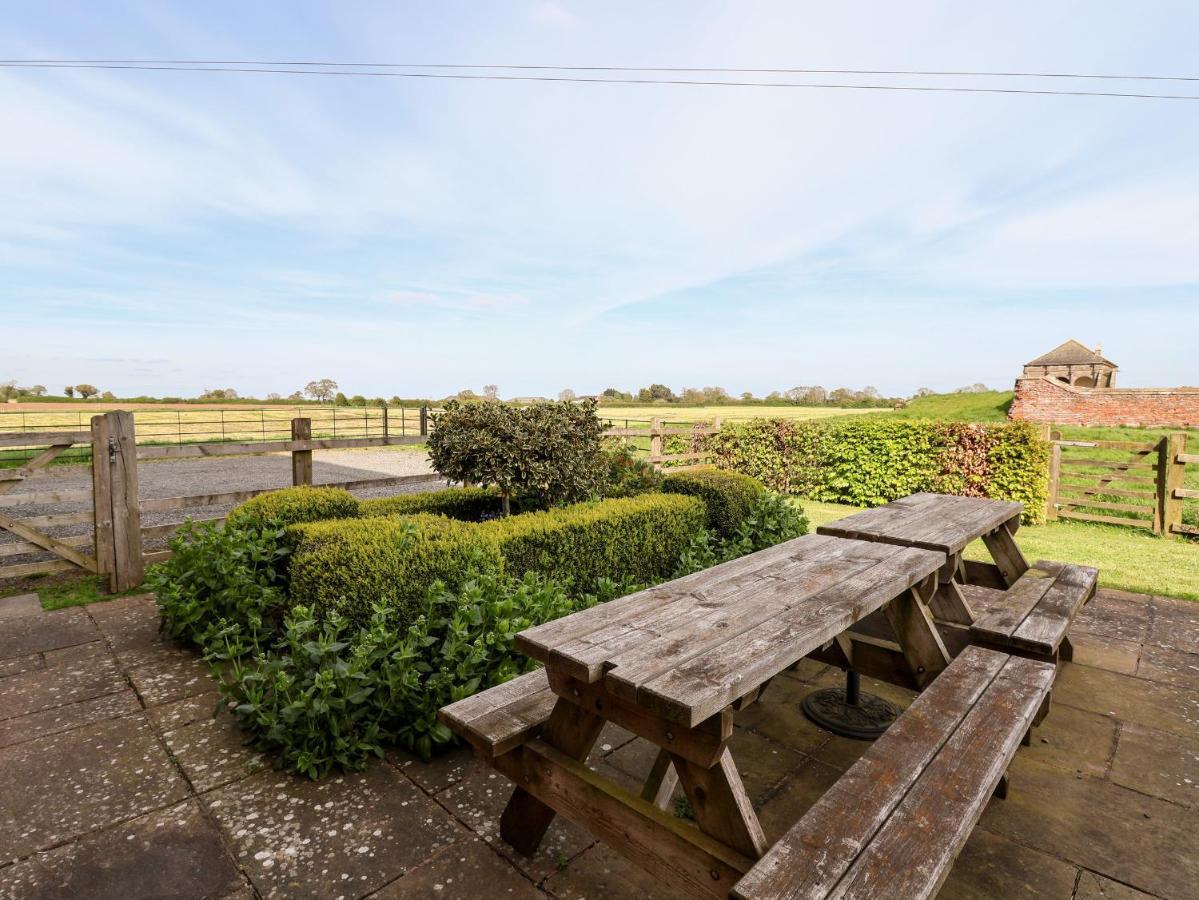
1047,400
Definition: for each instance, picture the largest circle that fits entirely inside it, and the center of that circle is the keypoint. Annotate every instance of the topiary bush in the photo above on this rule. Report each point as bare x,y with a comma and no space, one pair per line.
291,506
351,566
464,504
729,496
868,461
638,539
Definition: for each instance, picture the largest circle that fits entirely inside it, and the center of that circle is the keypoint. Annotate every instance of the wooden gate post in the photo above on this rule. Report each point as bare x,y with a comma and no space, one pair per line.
1055,471
301,460
655,439
117,516
1171,481
424,421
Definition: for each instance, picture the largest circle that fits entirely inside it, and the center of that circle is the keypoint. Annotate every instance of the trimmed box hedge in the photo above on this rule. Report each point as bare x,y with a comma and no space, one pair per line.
294,505
868,461
351,565
637,539
729,496
465,504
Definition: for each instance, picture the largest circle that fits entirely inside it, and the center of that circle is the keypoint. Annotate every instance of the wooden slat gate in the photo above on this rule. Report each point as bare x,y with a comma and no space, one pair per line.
1133,483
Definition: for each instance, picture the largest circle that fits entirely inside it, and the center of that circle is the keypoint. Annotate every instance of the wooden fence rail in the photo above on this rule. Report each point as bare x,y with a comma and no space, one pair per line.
1133,483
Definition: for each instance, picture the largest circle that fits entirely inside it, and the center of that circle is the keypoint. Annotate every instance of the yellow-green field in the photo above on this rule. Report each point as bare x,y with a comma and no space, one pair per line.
638,415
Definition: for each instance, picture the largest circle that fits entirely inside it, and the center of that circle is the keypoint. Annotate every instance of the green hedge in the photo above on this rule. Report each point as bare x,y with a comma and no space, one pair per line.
353,564
291,506
464,504
729,496
637,539
868,461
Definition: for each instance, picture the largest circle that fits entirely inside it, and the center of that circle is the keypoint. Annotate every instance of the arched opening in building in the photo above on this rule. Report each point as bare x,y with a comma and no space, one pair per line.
1084,381
1063,379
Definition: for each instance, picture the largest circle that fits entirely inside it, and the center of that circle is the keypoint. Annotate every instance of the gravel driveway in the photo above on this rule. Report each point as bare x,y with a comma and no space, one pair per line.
186,477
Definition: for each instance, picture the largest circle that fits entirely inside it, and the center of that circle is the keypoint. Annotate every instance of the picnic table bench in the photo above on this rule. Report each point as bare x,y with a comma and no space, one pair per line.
674,663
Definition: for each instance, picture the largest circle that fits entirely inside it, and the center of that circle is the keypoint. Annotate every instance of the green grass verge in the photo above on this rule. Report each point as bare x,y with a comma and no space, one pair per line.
59,593
989,406
1127,559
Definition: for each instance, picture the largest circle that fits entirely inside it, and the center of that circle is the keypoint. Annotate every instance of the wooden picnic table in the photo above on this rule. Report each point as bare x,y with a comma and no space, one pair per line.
673,664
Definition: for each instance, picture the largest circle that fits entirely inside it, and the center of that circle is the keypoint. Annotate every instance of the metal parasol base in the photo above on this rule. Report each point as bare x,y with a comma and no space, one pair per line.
848,712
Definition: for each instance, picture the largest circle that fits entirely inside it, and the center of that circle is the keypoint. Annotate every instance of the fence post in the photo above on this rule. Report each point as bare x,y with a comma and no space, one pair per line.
1175,444
385,424
128,568
424,421
301,460
1055,471
102,539
655,439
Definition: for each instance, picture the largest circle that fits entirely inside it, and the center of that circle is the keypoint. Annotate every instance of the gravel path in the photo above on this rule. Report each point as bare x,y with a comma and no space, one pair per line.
186,477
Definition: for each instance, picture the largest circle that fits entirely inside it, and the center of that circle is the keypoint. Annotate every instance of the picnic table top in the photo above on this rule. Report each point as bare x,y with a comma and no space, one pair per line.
688,648
937,522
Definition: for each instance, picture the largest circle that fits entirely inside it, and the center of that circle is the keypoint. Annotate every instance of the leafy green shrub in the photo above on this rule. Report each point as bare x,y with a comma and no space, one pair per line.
548,452
219,578
291,506
729,496
868,461
772,519
464,504
351,566
635,539
627,474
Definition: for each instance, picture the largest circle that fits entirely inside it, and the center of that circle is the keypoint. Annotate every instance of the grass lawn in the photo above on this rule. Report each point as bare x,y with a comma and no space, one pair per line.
58,591
1127,558
639,416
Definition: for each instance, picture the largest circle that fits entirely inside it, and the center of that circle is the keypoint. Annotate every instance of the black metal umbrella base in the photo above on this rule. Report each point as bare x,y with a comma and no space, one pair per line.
850,713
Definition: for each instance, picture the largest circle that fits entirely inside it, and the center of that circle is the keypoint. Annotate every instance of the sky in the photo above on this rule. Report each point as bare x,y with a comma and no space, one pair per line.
167,232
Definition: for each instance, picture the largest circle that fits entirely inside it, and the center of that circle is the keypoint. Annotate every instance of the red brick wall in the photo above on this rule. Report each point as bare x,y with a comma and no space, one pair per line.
1047,400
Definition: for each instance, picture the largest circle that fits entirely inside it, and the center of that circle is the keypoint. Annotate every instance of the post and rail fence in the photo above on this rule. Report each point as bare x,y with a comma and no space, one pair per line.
1139,484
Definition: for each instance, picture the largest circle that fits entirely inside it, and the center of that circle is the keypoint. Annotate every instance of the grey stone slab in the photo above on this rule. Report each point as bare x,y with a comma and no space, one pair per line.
440,772
1130,699
65,718
1126,836
20,605
128,622
177,713
1170,666
991,866
469,868
58,787
1175,624
479,798
1158,763
175,852
41,689
601,872
1106,653
348,835
1074,740
15,665
165,672
212,752
49,631
1116,615
77,653
794,797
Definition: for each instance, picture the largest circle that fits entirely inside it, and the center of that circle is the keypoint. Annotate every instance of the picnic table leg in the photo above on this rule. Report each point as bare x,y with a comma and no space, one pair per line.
918,636
720,805
1003,549
572,730
663,779
948,603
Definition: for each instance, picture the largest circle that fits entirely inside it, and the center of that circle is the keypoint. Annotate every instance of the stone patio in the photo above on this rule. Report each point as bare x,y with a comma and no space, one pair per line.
117,781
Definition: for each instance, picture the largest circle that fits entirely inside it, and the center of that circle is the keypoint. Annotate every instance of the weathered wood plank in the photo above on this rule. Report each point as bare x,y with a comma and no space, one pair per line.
501,717
1006,553
20,548
29,498
164,504
157,532
36,568
126,515
38,466
41,438
301,460
720,805
105,549
1046,624
1110,520
659,785
55,546
998,623
919,640
241,448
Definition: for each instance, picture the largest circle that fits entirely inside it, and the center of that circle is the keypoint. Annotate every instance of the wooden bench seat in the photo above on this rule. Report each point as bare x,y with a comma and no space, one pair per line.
894,823
503,717
1037,611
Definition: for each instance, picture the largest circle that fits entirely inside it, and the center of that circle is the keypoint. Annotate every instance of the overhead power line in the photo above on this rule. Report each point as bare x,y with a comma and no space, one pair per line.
272,69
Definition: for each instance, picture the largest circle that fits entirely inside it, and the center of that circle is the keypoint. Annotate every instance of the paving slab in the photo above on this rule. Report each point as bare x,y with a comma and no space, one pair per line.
36,690
1130,699
1133,839
66,718
347,836
1169,665
175,852
177,713
991,866
15,665
128,622
20,605
76,653
64,785
1158,763
1175,624
49,631
477,801
601,872
440,772
468,868
163,673
1115,615
1106,653
1074,740
794,797
212,752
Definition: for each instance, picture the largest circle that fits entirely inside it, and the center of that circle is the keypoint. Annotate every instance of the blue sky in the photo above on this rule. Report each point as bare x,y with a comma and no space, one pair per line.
168,232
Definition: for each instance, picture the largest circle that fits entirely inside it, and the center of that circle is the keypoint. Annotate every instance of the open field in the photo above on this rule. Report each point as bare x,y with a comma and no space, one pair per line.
1128,559
641,415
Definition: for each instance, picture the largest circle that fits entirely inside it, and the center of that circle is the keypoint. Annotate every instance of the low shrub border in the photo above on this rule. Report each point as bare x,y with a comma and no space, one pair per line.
291,506
465,504
728,496
867,462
